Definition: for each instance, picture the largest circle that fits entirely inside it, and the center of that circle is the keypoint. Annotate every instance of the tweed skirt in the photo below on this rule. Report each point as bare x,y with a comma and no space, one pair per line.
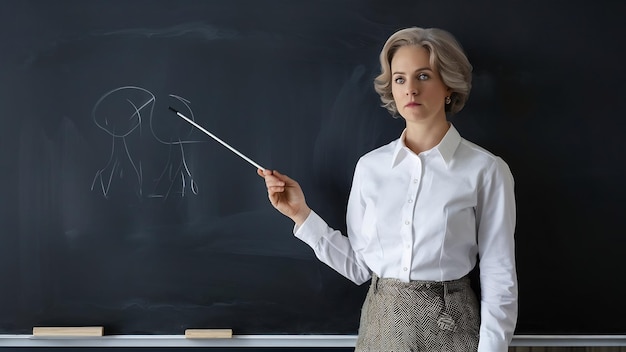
419,316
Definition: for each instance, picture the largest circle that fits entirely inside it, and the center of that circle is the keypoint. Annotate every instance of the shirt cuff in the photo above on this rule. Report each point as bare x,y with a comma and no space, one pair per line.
311,230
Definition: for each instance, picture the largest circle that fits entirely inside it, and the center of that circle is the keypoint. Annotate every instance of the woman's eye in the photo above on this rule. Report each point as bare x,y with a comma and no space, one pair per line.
422,77
399,80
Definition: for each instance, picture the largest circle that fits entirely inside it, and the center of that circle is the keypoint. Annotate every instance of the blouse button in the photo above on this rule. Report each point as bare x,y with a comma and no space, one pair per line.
410,200
405,268
407,222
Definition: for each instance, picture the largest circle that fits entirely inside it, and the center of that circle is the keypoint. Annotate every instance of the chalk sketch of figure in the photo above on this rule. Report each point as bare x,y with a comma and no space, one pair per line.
120,113
174,132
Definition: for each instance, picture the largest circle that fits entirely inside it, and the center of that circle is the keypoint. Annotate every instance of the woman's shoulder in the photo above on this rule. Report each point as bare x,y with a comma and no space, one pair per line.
474,150
481,157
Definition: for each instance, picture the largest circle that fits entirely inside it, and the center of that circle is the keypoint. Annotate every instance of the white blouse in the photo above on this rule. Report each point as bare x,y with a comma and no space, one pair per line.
427,217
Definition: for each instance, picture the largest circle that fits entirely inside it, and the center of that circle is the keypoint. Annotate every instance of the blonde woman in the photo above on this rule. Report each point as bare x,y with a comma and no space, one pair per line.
423,211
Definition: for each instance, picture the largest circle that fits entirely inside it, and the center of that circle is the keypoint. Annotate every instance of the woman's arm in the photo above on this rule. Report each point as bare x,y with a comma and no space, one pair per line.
495,221
330,246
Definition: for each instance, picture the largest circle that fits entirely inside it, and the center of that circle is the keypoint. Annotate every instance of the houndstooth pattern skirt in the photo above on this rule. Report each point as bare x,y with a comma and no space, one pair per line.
419,316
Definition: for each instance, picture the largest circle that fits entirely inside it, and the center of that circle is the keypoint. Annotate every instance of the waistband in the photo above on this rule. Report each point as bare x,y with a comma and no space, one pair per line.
419,285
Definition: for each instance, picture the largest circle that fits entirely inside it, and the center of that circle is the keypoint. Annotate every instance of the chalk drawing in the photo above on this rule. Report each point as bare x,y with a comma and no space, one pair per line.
175,174
121,113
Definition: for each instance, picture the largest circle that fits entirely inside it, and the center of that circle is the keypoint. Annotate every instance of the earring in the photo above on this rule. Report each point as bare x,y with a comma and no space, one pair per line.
448,100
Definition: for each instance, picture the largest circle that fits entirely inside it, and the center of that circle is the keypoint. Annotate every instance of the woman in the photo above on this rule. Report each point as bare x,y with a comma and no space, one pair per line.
423,210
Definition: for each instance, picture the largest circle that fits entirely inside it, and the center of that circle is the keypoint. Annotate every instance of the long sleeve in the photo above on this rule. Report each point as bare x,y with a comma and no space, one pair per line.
495,215
332,248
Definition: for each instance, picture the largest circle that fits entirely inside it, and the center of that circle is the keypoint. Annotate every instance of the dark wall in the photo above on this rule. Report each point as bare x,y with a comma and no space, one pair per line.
115,212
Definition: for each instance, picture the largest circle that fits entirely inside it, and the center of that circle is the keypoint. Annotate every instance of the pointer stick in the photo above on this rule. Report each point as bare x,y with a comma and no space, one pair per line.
217,139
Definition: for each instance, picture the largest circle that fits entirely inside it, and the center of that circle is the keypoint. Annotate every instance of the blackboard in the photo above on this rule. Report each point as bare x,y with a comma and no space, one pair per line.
114,212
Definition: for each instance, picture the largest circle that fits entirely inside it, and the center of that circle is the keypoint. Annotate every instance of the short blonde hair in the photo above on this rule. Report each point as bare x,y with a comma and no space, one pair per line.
446,57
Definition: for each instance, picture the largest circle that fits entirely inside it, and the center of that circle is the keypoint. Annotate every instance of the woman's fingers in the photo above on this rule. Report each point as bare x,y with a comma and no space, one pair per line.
272,180
285,195
275,186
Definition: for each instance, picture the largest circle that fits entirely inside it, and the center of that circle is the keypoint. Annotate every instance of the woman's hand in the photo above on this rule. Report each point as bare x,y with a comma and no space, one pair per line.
286,195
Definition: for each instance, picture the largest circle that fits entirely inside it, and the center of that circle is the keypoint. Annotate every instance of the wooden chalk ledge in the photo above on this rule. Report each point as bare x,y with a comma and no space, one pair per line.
209,333
80,331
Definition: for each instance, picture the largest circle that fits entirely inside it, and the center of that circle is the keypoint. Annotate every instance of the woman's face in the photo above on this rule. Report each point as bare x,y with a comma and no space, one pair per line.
418,91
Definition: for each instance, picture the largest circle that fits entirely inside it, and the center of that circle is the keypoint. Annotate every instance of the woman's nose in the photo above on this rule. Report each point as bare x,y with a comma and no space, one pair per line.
411,89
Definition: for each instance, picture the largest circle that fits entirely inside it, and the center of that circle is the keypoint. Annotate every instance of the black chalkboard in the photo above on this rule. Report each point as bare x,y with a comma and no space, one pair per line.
115,212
